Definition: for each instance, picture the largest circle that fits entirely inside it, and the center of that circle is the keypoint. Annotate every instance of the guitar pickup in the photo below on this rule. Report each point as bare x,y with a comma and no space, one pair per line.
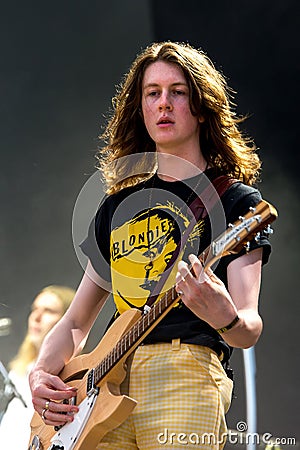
91,386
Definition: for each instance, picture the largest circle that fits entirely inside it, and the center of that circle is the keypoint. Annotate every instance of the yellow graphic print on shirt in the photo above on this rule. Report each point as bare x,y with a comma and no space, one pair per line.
140,250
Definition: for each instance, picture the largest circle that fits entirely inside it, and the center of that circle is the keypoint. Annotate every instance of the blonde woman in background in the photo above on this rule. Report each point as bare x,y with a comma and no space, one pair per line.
47,308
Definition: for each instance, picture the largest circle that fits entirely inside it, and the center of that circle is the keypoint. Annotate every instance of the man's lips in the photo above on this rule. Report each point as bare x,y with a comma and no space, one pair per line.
165,121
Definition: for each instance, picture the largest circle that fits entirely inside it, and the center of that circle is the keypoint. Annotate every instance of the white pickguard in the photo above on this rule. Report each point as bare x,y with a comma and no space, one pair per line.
68,435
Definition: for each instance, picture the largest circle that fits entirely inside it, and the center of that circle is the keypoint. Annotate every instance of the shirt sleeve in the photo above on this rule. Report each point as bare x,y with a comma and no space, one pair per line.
237,201
96,244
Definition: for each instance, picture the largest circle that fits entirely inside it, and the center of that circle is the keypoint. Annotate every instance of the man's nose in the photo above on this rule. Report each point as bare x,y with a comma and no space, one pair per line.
165,103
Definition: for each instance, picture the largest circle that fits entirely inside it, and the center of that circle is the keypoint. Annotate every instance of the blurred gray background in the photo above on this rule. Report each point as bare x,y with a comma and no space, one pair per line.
60,62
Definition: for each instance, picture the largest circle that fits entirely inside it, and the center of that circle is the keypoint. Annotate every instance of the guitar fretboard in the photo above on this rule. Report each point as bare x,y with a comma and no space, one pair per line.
136,333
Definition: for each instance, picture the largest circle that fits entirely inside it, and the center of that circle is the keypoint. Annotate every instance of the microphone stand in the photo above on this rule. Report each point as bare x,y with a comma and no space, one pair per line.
250,382
10,391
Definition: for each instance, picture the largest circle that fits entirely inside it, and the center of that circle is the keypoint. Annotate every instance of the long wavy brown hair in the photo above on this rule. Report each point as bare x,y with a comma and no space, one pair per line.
223,144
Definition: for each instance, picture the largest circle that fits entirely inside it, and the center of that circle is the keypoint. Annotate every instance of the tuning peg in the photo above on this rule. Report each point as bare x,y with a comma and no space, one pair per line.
269,230
247,247
265,232
257,237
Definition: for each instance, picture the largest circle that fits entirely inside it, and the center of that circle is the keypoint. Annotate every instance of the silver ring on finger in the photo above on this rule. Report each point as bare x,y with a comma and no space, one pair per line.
43,414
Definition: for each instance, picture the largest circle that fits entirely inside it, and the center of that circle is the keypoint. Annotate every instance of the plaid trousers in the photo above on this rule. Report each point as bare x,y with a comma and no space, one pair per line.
183,394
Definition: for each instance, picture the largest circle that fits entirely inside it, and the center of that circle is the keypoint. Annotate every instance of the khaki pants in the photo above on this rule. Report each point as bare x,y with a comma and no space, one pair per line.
183,394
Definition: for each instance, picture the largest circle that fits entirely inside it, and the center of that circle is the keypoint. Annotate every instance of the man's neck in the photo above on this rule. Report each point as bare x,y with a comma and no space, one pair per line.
174,168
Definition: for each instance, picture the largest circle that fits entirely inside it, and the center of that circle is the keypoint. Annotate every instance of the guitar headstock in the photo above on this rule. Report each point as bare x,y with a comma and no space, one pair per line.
239,233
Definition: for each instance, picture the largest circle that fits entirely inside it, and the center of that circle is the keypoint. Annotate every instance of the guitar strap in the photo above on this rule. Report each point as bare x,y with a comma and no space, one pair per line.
211,195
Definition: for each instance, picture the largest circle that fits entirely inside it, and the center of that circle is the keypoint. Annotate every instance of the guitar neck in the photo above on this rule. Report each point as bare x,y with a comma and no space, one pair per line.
137,333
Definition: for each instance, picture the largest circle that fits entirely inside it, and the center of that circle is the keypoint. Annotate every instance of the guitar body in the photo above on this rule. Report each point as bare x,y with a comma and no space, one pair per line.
110,408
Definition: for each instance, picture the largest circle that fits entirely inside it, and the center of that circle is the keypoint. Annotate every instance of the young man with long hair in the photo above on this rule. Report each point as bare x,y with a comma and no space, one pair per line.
172,133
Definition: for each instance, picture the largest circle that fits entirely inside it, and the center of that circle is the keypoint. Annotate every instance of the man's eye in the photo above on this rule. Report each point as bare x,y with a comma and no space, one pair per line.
153,93
178,92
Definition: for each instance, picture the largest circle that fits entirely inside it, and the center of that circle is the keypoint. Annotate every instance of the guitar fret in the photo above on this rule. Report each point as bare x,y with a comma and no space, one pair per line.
134,330
153,313
113,357
129,338
96,372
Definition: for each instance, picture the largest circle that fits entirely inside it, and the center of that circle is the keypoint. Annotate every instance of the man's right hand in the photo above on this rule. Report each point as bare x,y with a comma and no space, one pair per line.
51,398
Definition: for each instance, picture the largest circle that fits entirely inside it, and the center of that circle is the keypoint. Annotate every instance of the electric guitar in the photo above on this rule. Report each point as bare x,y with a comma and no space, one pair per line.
98,375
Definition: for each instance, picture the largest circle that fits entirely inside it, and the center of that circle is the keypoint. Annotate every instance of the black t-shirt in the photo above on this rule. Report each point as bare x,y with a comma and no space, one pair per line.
135,232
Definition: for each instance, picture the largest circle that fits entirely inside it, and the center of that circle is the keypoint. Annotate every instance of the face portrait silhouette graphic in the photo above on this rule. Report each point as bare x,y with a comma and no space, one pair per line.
140,252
